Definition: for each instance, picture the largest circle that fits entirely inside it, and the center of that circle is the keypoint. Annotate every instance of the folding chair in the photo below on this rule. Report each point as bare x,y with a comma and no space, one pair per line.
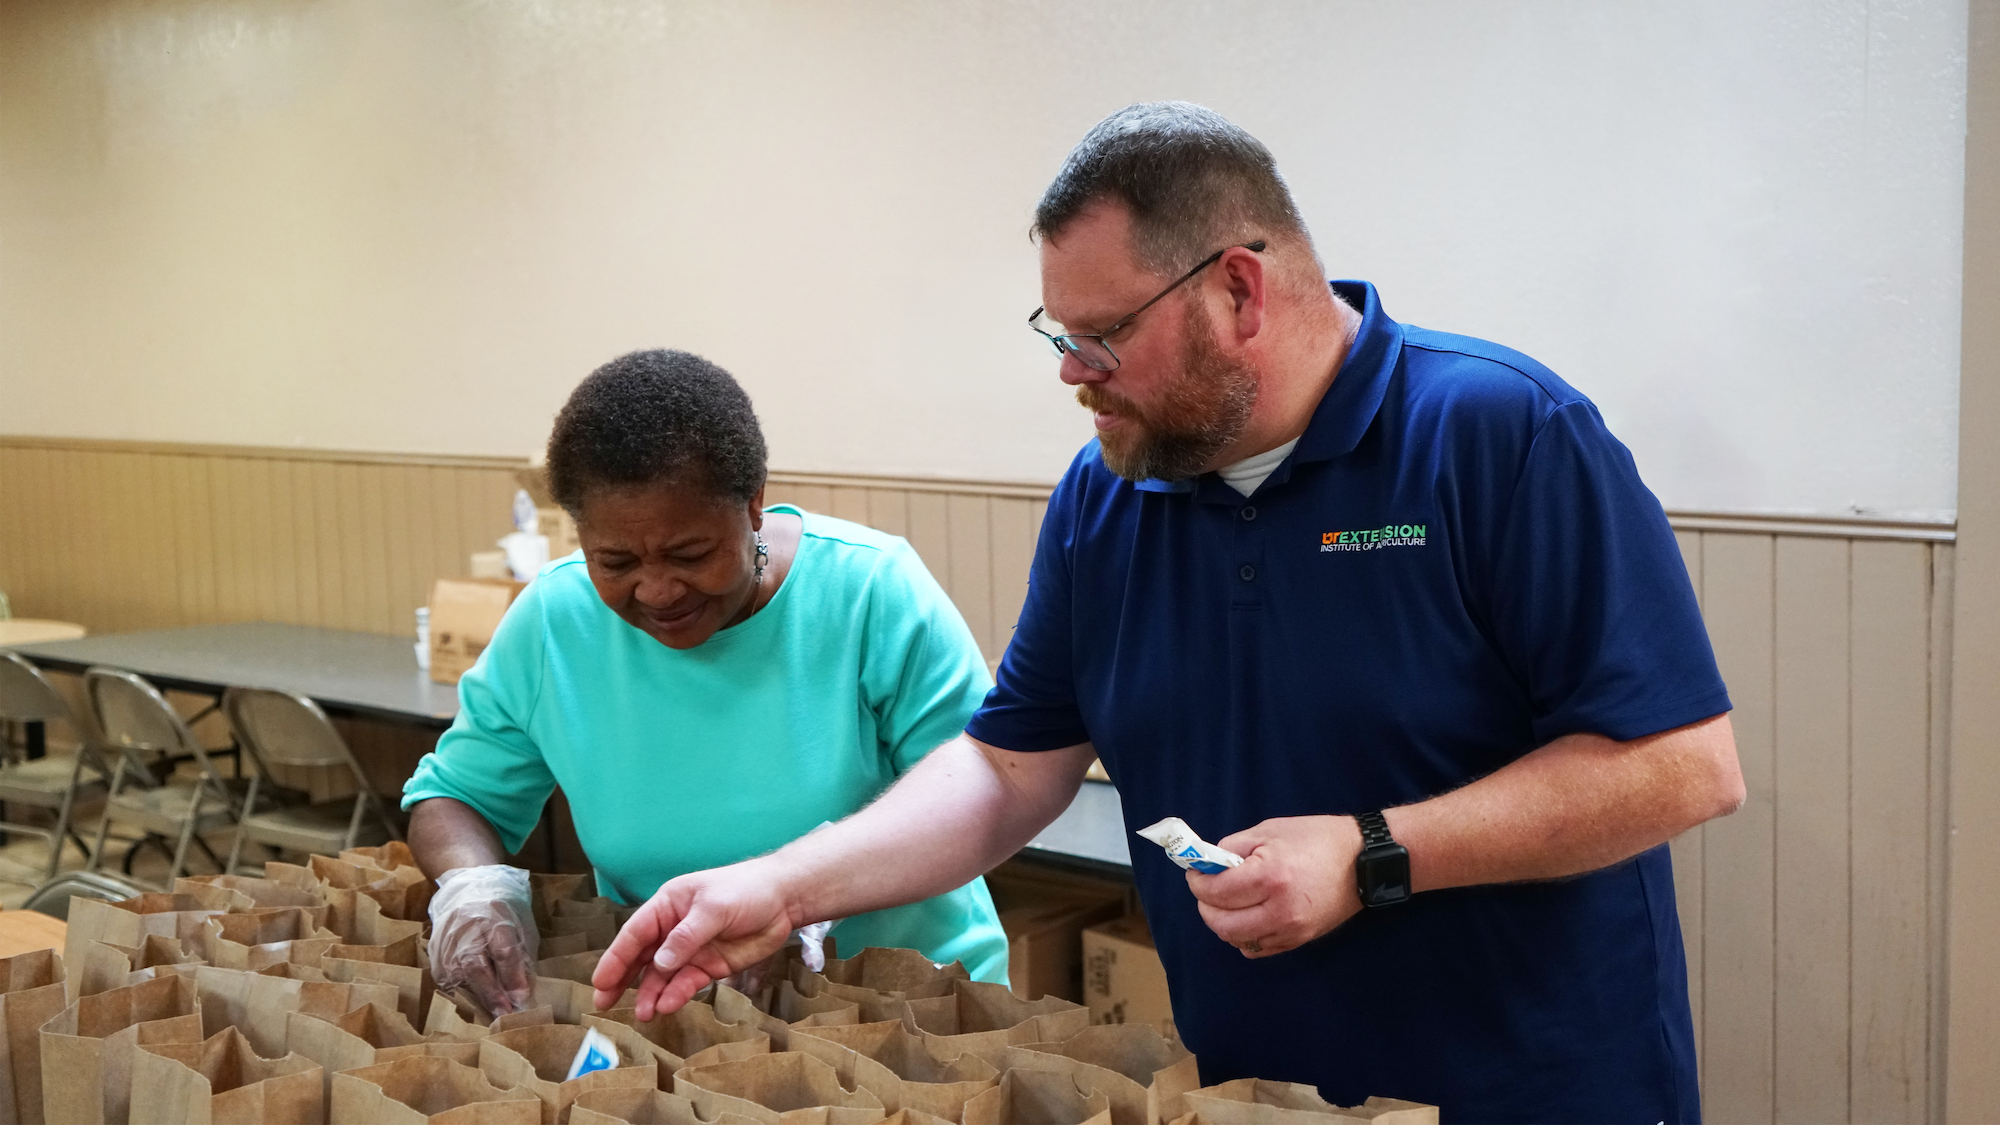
278,728
49,783
151,739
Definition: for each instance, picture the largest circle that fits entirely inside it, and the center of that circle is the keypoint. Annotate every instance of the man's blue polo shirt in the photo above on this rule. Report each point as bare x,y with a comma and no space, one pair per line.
1457,564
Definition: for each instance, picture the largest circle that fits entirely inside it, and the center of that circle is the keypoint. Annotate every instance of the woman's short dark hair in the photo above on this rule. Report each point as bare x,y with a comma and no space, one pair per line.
654,416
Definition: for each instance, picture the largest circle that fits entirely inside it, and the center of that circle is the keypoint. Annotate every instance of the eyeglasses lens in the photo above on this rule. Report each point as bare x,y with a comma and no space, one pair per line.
1092,352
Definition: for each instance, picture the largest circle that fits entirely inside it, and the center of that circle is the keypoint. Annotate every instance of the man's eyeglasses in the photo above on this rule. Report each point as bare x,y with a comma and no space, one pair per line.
1089,347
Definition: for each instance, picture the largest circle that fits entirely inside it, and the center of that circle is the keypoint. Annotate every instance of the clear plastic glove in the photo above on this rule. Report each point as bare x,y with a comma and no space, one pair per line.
483,935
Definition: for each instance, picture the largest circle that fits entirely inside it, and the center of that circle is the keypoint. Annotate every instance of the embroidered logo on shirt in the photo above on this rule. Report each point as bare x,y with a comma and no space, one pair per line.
1391,535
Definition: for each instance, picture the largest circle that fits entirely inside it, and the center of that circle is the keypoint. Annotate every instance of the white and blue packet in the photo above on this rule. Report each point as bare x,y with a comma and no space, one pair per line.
597,1053
1187,849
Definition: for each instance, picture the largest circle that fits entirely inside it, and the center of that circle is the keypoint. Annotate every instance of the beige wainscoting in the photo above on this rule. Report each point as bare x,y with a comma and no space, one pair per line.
1813,917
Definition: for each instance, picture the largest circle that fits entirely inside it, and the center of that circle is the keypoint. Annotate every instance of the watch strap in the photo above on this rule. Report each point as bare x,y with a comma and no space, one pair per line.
1374,830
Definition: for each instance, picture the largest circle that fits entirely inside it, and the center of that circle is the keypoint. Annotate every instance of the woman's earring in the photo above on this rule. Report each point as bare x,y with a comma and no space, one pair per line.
763,557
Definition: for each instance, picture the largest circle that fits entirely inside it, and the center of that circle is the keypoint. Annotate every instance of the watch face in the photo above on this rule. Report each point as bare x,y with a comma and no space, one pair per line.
1384,875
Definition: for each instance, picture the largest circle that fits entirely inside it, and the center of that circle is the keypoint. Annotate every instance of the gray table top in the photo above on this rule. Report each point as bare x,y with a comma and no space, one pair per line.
354,673
1093,827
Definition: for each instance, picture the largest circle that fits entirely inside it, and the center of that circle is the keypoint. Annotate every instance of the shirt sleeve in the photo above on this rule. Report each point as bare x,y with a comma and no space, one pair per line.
1032,706
488,759
922,672
1591,604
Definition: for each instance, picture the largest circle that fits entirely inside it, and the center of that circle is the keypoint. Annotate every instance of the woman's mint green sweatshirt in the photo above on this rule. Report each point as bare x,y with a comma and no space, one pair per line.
680,760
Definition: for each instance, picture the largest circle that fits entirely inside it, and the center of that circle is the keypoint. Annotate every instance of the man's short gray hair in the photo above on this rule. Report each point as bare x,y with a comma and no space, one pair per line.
1193,181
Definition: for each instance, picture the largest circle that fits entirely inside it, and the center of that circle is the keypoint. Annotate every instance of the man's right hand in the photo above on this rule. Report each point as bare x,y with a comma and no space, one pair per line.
695,930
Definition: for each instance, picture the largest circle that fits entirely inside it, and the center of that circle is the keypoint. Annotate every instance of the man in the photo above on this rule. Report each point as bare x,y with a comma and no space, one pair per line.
1322,579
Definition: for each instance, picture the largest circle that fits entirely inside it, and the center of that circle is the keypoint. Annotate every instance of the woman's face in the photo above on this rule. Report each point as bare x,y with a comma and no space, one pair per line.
671,560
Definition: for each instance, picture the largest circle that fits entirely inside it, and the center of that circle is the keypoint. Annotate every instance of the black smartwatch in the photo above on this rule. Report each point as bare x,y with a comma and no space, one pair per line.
1382,870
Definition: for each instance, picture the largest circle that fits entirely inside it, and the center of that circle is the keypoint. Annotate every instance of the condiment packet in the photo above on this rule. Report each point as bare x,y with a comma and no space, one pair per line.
1188,849
597,1053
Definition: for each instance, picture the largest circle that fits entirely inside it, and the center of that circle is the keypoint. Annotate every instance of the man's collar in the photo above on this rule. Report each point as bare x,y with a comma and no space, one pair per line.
1346,410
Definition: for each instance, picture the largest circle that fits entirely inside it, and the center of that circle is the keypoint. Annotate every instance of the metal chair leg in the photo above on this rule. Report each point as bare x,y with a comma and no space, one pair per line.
249,806
96,854
187,831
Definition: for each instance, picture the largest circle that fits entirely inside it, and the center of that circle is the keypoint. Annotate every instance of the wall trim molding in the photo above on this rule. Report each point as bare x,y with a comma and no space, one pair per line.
1748,523
261,452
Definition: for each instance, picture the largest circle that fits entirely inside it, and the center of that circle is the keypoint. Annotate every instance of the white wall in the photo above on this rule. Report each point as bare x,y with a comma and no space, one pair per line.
375,224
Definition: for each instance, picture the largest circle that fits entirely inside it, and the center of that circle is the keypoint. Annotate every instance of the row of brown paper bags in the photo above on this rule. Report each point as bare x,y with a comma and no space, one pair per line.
138,1054
320,971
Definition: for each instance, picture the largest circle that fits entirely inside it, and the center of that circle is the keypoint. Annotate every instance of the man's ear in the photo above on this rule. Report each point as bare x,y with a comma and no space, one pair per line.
1246,278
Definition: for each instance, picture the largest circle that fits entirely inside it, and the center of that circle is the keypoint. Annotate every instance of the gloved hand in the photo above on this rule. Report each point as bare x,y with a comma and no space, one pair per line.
483,935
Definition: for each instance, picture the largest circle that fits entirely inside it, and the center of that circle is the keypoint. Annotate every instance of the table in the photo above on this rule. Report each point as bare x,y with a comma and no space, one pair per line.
1092,829
363,674
24,931
28,630
375,676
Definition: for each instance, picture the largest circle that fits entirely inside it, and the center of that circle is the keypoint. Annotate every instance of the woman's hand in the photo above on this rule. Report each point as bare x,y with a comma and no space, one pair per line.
483,935
697,929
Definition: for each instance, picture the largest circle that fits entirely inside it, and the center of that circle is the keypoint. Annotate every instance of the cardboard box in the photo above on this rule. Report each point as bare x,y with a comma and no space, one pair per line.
464,614
1123,981
1044,915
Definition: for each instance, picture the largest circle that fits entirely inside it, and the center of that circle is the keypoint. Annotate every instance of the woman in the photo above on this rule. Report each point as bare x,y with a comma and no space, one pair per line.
706,681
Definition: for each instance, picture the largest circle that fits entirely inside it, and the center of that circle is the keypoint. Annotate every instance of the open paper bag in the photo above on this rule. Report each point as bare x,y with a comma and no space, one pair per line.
427,1090
221,1081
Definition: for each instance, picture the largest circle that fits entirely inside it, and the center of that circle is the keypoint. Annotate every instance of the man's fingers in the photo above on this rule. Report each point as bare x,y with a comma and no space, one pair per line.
1236,889
701,925
632,948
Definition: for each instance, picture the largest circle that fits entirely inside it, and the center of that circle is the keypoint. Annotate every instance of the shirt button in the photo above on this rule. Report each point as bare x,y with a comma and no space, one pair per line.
1249,573
1249,512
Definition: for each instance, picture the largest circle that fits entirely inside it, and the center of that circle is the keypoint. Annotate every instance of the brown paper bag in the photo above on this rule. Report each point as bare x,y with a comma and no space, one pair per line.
1038,1097
535,1059
793,1006
106,966
257,1004
574,966
31,994
769,1085
457,1016
896,970
357,918
908,1116
394,964
387,856
404,893
427,1090
1138,1069
366,1036
985,1019
629,1105
259,892
87,1048
597,929
1256,1101
564,945
893,1063
128,922
570,1000
253,942
544,891
732,1006
222,1080
692,1036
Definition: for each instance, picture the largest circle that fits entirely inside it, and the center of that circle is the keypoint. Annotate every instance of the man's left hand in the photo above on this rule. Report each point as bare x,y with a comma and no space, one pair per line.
1296,883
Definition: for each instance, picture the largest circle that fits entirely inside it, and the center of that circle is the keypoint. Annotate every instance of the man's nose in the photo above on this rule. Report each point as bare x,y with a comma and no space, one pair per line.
1075,372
